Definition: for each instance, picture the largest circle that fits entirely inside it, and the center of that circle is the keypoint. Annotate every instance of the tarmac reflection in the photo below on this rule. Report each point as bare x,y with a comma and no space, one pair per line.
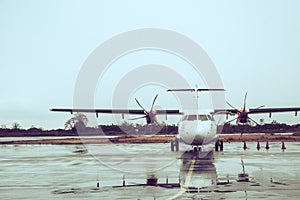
198,170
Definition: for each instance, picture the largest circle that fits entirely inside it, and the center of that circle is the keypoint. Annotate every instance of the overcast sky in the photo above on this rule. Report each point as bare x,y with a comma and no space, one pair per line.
254,45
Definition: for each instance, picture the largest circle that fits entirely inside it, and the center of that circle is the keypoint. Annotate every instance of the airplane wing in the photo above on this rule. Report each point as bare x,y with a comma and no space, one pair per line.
274,110
258,111
115,111
225,111
194,90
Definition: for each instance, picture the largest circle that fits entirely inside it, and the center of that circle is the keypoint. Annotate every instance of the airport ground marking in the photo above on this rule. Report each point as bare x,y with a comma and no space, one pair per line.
187,180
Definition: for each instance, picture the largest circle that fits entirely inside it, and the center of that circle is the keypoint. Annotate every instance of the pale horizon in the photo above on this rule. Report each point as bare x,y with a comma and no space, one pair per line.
254,46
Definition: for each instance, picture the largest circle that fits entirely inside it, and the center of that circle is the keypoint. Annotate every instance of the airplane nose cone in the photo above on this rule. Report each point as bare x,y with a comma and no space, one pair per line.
202,131
197,132
204,128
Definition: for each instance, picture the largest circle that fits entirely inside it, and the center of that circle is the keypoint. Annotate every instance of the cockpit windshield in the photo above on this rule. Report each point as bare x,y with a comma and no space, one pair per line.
194,117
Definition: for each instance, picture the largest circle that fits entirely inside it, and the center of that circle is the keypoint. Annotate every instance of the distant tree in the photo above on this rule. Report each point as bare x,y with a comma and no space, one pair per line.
79,120
16,125
3,126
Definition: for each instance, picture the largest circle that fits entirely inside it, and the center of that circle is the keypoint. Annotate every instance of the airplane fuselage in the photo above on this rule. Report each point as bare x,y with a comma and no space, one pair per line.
197,131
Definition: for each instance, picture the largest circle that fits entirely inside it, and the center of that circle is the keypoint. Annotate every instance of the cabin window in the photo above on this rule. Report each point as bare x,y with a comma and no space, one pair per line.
210,118
203,117
192,117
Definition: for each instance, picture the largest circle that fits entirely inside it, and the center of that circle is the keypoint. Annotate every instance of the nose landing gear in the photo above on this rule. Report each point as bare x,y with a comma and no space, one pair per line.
197,149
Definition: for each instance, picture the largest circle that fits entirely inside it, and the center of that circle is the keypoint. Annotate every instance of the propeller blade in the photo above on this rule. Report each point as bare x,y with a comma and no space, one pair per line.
232,106
254,121
153,102
232,120
245,102
141,105
138,118
258,107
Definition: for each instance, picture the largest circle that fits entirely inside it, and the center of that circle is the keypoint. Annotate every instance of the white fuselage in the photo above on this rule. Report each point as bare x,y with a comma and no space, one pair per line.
197,130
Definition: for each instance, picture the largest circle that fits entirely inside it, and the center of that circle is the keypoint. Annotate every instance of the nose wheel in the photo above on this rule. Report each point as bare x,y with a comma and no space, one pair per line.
197,149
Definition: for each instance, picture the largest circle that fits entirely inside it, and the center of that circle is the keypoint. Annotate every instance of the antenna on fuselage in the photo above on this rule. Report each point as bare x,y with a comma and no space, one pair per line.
195,90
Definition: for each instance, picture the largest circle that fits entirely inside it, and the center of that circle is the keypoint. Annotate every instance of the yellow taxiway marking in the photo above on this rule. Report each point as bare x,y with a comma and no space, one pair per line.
187,180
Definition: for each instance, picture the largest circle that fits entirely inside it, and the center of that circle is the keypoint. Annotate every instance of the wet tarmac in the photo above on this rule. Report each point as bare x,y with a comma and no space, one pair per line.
73,172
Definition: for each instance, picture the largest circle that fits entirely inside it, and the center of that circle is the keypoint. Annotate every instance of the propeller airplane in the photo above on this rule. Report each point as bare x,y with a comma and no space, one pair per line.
194,129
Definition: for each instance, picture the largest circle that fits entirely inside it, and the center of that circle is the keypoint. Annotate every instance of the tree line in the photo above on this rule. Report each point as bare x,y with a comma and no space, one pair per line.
78,125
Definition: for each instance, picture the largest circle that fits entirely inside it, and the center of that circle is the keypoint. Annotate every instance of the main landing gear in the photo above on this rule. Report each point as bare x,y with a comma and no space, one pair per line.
219,145
175,145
